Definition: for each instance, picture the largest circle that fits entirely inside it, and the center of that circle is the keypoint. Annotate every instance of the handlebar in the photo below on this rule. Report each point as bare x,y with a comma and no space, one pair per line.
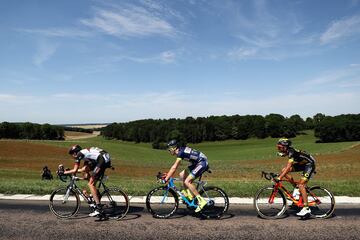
269,176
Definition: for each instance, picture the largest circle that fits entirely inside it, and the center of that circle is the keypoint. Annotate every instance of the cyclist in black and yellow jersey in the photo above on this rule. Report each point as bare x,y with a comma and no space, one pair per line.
298,161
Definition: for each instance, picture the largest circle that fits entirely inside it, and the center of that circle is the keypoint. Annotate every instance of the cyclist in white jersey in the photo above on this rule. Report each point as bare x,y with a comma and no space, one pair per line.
96,161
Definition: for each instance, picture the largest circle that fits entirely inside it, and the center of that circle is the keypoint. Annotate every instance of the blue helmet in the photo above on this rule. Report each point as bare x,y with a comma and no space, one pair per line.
173,144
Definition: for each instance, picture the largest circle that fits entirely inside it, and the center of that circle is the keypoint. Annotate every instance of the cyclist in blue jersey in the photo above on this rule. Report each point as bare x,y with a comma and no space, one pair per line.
198,165
299,161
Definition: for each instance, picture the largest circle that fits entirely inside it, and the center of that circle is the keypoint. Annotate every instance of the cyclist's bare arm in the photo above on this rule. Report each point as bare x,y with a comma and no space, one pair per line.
286,170
173,169
74,170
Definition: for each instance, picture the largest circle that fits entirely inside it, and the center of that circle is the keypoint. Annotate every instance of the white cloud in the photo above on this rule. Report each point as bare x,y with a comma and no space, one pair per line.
44,53
341,29
130,21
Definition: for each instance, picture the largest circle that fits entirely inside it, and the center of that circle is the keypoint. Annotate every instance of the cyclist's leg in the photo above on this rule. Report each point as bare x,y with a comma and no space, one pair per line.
97,172
308,171
183,175
289,178
197,171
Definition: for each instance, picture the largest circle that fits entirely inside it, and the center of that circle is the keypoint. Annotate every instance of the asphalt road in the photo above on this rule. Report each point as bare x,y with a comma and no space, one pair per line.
33,220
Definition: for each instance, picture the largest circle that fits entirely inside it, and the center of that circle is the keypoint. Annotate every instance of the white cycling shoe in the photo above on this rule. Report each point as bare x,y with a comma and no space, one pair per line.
94,213
304,211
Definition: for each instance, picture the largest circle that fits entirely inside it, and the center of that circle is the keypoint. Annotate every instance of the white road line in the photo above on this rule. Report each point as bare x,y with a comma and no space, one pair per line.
141,199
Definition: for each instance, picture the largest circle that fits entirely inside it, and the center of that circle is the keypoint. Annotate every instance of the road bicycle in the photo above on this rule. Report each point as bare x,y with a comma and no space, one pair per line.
65,201
270,202
163,201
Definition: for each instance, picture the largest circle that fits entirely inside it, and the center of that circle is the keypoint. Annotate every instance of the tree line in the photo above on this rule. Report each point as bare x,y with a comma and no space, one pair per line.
29,130
213,128
218,128
339,128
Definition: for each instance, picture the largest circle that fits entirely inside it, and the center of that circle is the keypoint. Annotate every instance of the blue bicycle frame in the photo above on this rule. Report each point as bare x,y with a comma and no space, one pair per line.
171,185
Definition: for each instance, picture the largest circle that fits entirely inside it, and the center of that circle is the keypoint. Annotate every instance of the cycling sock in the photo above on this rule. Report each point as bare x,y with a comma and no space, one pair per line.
200,198
189,194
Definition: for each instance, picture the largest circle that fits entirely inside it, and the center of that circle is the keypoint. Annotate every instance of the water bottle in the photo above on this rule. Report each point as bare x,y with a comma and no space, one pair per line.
296,194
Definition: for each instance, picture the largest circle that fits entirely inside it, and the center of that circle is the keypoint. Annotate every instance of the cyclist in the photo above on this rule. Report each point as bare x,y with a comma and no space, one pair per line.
298,161
95,160
198,165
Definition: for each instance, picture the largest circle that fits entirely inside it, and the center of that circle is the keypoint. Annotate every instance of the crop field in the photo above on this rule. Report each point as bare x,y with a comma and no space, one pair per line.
236,164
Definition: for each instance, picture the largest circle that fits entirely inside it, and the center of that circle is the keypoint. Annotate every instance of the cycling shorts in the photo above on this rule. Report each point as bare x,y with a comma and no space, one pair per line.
99,167
197,169
307,170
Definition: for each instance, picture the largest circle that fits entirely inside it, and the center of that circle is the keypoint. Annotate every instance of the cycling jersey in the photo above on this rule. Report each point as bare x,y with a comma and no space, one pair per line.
92,155
198,161
300,157
191,155
302,161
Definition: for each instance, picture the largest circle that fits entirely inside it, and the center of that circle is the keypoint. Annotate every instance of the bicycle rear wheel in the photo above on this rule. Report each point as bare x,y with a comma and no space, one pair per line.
162,202
265,208
115,203
217,202
64,202
321,202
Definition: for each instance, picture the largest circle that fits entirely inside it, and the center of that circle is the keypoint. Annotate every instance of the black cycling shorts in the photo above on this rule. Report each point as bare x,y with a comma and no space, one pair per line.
307,170
101,164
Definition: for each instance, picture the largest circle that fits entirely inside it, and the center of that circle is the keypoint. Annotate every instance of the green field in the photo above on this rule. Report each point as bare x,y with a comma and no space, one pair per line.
236,164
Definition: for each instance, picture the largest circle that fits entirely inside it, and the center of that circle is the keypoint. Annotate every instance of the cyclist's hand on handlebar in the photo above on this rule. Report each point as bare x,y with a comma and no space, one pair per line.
162,181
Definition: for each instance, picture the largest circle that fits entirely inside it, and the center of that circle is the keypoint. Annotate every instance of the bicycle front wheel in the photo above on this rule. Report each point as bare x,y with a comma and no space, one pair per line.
217,202
64,202
162,202
115,203
321,202
269,204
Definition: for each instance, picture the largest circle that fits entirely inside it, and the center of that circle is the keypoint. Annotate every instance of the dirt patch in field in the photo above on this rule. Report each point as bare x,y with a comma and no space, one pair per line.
30,156
70,135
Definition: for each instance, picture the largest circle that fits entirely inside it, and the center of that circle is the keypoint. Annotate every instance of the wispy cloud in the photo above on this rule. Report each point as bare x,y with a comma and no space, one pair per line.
345,77
266,34
58,32
130,21
341,29
44,53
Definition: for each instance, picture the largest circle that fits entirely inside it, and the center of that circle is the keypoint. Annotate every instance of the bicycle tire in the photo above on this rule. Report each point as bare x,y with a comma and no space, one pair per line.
218,202
64,206
268,210
162,202
327,206
115,203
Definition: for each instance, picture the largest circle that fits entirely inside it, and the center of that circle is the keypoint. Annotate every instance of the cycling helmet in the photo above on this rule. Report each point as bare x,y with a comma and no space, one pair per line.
283,146
74,149
173,144
284,142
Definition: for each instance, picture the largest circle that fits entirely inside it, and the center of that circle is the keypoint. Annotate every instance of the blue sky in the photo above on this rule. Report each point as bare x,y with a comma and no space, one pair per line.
114,61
